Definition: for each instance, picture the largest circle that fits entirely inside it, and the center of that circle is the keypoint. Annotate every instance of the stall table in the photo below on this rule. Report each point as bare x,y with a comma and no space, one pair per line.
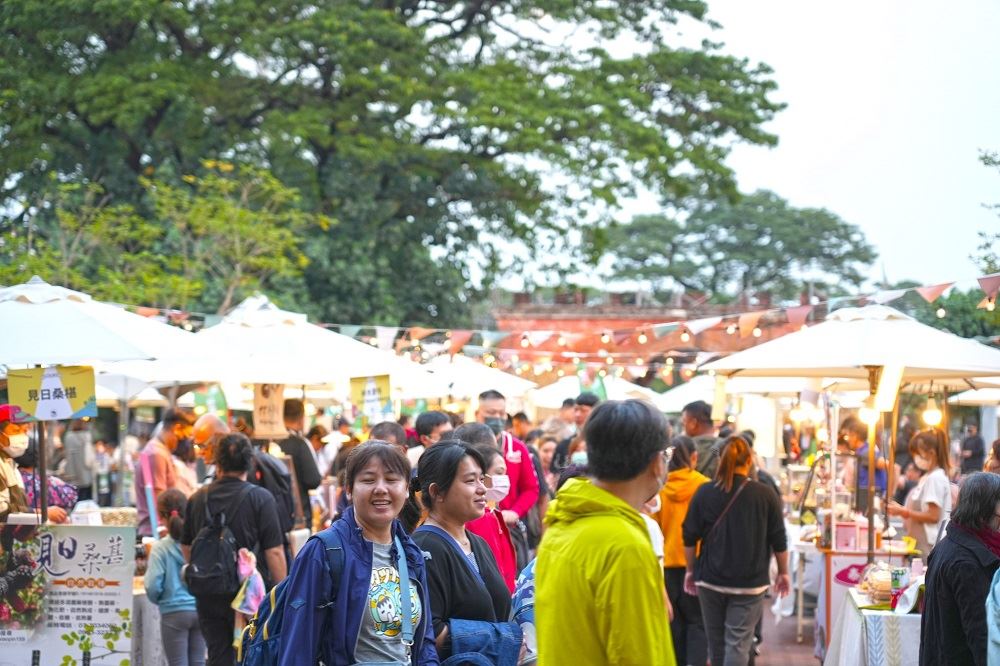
147,646
864,637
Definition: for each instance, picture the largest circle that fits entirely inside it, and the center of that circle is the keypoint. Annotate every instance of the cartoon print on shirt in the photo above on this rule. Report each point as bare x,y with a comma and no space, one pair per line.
385,604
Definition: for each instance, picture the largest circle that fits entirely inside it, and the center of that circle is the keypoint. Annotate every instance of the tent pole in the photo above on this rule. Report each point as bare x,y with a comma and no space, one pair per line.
893,436
123,460
43,472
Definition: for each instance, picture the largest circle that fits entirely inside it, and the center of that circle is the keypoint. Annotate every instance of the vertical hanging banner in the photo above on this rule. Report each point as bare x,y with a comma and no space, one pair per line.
269,411
372,399
69,595
51,394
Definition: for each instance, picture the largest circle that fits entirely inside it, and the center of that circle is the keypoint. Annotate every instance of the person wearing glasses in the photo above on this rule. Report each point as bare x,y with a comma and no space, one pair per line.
595,566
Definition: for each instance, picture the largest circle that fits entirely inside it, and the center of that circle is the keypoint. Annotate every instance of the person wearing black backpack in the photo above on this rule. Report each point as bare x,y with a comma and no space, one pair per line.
221,518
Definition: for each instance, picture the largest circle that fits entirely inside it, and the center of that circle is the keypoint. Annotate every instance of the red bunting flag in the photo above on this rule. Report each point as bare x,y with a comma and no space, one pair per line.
797,316
990,284
458,340
748,322
933,292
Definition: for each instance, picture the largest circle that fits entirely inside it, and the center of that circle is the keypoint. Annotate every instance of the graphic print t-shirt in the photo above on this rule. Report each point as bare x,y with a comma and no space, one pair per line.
380,639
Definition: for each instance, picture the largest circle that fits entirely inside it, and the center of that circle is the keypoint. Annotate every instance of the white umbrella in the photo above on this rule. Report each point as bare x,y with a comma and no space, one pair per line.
280,347
48,325
467,378
853,339
984,397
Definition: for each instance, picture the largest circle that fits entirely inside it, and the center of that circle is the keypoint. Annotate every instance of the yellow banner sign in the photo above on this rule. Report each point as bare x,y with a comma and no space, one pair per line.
51,394
371,397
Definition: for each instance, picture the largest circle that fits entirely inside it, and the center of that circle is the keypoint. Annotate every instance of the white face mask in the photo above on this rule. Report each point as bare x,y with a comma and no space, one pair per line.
499,488
921,462
17,445
579,458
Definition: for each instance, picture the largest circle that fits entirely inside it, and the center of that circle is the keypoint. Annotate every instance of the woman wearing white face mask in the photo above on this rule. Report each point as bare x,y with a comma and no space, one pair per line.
492,527
13,443
929,503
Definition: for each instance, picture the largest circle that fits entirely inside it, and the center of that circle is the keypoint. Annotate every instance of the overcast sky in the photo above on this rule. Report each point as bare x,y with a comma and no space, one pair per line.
889,104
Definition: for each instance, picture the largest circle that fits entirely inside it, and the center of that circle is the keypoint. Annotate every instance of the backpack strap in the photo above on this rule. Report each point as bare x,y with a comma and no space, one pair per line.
726,510
406,619
334,547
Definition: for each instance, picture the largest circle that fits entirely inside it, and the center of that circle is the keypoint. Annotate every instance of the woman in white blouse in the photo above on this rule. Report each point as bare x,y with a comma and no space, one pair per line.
929,504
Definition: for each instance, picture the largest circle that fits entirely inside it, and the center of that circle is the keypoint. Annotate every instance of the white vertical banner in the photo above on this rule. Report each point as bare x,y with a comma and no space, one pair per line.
269,411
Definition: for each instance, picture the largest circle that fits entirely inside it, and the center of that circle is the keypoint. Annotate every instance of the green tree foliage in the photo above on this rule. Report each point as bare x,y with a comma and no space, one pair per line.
961,315
429,130
987,254
205,243
758,244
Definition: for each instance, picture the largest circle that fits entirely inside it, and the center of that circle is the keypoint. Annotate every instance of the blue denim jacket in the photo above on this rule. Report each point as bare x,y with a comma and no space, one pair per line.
483,643
308,589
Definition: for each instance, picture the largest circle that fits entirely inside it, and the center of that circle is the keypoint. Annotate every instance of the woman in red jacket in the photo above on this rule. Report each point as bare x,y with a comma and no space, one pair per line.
491,527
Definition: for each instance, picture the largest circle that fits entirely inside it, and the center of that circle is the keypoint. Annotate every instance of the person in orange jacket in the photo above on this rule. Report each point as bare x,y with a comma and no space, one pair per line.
690,644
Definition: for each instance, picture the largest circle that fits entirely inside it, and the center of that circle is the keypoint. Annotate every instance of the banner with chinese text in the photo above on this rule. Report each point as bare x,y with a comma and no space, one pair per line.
269,411
51,394
69,594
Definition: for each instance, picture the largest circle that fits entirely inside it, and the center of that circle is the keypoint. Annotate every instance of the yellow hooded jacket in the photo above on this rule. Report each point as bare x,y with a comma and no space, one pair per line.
599,596
675,497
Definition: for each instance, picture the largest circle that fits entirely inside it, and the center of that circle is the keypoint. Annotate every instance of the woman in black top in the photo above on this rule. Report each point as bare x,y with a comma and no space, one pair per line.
463,577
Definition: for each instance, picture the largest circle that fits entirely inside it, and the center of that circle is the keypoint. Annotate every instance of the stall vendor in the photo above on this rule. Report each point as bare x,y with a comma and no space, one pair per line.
13,443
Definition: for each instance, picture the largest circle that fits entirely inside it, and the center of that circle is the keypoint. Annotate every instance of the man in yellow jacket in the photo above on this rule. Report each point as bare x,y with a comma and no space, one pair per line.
599,595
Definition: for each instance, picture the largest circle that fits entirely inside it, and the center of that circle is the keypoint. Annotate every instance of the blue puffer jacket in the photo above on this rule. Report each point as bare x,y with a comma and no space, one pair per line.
163,583
309,586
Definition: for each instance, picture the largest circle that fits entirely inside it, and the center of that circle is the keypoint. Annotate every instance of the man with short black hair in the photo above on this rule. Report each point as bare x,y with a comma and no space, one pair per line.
389,431
973,450
254,526
157,457
596,567
696,419
492,411
431,428
520,425
582,406
295,446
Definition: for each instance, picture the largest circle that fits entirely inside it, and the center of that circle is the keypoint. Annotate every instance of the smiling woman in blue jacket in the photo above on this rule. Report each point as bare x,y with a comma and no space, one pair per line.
183,644
364,623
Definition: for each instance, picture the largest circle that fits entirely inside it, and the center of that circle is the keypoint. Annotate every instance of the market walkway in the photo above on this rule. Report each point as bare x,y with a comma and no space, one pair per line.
780,648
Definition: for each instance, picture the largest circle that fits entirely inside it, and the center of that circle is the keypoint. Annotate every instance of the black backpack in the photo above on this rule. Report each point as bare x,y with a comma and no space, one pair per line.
271,474
212,568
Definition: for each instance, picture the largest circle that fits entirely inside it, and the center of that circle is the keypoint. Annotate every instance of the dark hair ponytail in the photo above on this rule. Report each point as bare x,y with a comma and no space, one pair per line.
684,448
170,506
735,453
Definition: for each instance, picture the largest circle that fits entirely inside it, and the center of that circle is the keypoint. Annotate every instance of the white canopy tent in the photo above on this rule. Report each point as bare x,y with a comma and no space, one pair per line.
984,397
467,378
552,396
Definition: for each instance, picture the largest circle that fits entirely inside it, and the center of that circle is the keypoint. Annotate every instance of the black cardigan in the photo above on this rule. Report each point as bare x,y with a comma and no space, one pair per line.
454,589
737,553
959,574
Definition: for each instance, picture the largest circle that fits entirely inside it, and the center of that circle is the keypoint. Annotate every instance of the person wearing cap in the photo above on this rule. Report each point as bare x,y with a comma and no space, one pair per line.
62,496
13,444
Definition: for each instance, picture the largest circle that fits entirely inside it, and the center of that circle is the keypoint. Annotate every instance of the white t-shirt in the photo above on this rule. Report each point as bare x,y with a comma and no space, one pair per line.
655,536
933,488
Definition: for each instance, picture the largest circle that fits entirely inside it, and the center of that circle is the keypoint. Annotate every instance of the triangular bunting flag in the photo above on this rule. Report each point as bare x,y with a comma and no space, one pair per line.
621,337
990,284
147,312
490,338
350,330
934,292
984,304
458,340
660,330
385,335
798,315
887,296
419,332
748,322
699,325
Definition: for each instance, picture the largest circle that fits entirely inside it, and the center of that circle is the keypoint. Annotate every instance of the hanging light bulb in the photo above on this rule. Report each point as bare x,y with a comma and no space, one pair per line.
605,337
757,332
561,340
643,339
610,360
670,360
639,361
941,312
515,358
524,340
731,329
685,337
932,414
560,372
991,304
602,372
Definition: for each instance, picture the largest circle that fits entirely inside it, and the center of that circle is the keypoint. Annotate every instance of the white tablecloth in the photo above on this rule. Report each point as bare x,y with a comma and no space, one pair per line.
872,638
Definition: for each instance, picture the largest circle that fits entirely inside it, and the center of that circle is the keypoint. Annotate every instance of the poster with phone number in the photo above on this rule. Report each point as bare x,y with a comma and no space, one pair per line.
66,595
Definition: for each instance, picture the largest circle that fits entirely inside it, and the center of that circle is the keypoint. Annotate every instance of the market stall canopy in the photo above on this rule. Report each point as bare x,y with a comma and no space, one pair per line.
273,344
467,378
49,325
702,387
875,335
148,397
552,396
984,397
